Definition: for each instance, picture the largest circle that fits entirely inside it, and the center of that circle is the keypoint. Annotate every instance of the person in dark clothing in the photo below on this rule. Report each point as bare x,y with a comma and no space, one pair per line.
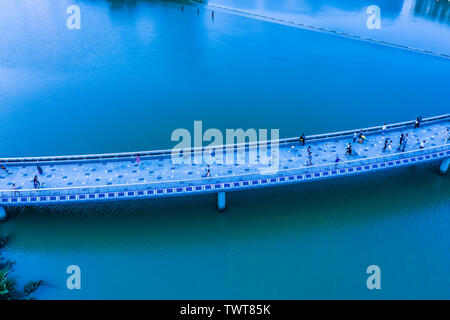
405,141
349,149
36,183
361,133
386,142
402,137
14,188
302,139
418,122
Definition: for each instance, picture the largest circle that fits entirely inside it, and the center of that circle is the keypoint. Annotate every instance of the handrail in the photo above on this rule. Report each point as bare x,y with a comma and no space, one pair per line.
143,154
342,164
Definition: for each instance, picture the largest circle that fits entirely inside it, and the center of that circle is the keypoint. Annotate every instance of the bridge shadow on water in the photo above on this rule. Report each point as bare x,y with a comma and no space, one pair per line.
294,210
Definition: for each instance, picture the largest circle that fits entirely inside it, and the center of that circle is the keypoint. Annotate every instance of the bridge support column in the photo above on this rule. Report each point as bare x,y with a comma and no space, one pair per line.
444,166
2,214
221,204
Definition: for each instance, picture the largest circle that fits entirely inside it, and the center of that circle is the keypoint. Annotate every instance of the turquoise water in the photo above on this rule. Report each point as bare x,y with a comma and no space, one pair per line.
416,23
139,70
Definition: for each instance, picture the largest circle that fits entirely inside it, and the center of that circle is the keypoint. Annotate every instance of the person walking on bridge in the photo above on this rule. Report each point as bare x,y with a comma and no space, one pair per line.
36,183
362,137
405,141
208,172
349,149
302,139
418,122
383,129
402,137
14,188
386,141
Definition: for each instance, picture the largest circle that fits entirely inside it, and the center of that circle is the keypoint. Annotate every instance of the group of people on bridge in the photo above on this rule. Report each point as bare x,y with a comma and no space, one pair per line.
36,183
358,137
361,138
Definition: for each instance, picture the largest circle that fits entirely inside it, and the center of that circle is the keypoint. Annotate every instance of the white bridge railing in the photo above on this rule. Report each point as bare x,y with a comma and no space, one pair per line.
225,178
166,153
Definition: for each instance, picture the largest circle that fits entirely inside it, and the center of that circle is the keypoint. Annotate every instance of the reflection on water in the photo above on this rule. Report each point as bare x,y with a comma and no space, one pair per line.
314,6
435,10
121,4
391,8
127,4
416,23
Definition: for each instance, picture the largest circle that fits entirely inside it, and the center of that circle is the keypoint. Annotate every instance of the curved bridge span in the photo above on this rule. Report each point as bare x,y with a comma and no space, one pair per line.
152,174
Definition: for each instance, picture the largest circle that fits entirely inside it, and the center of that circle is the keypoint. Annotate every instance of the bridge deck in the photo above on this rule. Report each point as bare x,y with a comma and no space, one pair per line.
119,175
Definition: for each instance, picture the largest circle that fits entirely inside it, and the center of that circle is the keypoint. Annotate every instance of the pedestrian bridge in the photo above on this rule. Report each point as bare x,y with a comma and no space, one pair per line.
120,176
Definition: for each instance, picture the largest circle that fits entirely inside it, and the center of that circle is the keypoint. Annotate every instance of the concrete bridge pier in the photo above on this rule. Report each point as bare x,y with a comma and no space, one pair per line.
221,203
444,166
2,214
